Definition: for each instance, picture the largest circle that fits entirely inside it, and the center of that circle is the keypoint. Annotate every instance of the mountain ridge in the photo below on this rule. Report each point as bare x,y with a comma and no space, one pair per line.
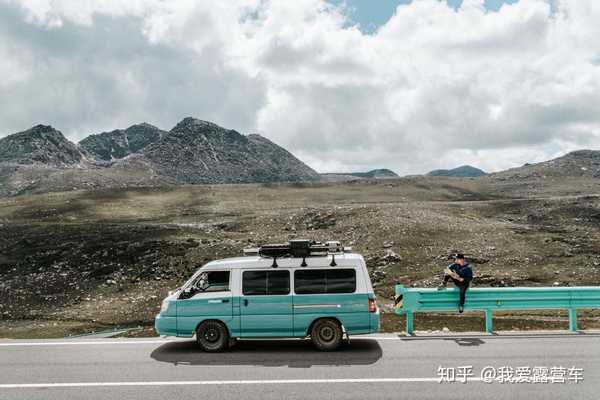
463,171
578,163
41,159
119,143
197,152
42,145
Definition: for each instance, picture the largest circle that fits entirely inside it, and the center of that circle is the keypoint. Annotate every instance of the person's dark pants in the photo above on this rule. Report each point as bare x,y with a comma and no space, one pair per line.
463,286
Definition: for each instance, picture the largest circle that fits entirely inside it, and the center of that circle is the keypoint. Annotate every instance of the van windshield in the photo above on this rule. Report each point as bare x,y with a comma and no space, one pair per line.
208,281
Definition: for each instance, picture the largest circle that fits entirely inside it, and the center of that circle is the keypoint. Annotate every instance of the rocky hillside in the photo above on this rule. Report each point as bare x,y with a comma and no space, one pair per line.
197,151
464,171
120,143
106,258
42,160
41,145
581,163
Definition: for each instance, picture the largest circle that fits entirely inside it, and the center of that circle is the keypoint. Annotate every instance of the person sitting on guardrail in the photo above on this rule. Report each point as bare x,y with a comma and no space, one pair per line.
461,274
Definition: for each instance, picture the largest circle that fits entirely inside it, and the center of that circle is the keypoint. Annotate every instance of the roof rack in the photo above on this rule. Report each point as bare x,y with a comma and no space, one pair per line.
299,248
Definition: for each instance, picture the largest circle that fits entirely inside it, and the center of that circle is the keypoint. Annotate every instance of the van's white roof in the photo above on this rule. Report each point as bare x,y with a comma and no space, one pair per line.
348,259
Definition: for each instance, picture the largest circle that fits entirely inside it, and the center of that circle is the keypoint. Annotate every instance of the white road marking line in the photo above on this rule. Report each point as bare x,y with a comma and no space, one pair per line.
221,383
83,343
155,341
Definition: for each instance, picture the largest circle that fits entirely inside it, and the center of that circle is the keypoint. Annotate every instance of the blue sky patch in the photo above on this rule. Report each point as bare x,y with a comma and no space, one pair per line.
371,14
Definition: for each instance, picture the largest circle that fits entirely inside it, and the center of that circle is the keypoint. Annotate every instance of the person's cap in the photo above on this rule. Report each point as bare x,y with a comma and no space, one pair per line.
459,256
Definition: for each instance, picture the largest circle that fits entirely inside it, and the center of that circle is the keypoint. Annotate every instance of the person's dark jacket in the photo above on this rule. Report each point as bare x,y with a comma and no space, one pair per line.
464,271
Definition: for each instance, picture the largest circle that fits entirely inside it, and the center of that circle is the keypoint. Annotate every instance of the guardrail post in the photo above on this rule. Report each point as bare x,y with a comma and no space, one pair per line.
489,328
409,323
573,319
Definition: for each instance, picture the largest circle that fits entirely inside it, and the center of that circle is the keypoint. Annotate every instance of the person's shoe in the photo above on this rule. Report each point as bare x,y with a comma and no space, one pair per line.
461,309
442,286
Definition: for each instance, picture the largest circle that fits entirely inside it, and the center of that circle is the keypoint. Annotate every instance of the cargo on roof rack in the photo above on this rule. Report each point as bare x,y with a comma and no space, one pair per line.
299,248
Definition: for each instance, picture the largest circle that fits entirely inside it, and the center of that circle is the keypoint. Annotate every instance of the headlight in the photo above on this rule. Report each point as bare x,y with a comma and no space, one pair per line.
164,306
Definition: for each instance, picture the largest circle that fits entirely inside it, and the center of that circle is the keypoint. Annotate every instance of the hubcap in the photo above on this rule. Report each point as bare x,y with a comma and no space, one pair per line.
211,335
327,334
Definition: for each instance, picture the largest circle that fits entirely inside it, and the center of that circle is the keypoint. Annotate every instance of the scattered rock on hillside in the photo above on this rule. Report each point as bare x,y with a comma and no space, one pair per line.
198,151
120,143
580,163
42,145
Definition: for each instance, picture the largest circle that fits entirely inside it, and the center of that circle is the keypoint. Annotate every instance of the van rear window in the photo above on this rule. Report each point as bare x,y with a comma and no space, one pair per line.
257,283
314,281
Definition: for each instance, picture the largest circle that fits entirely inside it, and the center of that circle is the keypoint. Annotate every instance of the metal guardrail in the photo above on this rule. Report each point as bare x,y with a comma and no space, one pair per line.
413,300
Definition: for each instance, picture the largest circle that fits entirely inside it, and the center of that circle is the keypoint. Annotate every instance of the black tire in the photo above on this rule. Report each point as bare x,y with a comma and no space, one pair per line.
212,336
326,334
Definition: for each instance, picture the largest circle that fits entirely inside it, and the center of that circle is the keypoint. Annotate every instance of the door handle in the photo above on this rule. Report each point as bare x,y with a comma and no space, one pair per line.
219,301
245,302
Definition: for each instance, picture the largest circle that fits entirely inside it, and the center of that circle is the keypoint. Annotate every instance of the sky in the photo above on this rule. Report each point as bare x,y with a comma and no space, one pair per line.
371,14
345,85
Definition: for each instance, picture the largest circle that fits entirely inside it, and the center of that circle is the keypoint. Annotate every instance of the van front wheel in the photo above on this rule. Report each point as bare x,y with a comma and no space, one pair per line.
326,334
212,336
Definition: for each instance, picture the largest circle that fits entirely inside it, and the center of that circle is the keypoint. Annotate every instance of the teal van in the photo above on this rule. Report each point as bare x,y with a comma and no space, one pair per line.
294,290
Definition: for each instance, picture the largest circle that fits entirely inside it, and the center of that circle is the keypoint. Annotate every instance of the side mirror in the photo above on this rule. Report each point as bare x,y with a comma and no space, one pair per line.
186,293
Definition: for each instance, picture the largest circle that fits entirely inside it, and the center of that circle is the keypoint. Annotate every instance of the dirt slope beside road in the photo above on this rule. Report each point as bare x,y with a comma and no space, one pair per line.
105,258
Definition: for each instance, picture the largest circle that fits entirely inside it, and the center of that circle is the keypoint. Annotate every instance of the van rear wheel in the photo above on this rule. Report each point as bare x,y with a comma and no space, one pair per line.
326,334
212,336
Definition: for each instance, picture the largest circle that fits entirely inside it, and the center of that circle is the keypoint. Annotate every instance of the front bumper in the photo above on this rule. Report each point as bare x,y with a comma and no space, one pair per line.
165,326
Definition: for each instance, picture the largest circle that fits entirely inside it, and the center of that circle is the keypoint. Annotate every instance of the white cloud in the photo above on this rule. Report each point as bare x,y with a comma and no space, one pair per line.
434,87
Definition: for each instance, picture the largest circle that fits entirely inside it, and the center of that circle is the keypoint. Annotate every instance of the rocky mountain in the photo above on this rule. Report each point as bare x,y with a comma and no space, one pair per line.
580,163
464,171
197,151
120,143
41,159
41,145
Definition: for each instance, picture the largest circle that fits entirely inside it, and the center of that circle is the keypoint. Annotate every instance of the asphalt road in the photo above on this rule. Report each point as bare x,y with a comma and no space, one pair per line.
374,367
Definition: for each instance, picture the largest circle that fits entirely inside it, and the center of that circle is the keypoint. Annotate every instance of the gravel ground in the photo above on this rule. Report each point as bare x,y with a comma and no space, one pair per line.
82,261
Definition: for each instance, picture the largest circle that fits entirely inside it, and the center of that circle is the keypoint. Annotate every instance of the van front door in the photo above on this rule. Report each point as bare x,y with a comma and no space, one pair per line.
208,298
266,304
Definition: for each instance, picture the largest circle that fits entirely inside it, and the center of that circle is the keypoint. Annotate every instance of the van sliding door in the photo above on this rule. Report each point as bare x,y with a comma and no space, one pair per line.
266,303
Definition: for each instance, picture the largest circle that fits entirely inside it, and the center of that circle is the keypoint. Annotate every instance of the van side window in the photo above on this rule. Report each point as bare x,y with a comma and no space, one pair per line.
315,281
263,283
341,281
